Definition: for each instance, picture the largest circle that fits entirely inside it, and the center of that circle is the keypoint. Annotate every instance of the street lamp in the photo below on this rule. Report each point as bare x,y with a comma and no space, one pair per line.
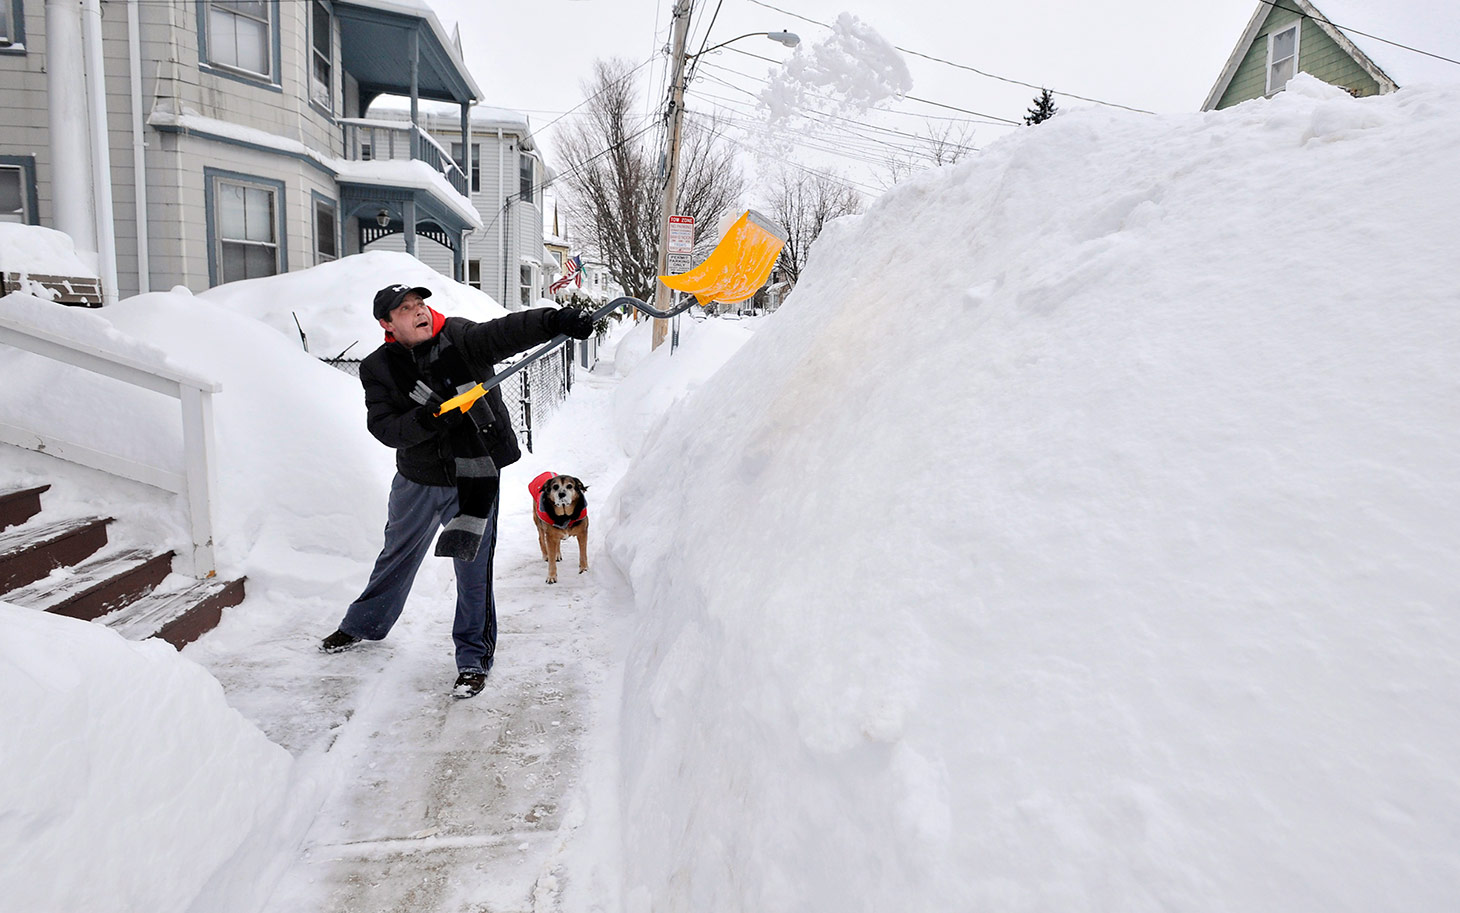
671,184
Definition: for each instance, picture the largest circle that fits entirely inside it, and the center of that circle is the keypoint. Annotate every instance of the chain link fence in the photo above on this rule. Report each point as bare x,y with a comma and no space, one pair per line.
532,395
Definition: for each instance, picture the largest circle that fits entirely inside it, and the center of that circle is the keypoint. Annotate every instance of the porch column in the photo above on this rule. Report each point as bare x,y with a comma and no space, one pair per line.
414,50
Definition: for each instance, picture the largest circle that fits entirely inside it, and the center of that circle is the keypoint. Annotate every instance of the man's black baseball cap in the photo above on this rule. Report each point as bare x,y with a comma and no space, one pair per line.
390,297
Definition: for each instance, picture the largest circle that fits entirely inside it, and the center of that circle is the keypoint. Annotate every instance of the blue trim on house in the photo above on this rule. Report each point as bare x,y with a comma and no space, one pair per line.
281,238
245,144
272,82
16,45
26,163
315,198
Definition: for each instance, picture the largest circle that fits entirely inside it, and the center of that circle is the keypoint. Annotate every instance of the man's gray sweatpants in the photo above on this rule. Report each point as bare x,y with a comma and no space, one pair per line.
416,512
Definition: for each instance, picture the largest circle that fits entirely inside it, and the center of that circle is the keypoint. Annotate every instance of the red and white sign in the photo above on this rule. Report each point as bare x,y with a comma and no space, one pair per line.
681,234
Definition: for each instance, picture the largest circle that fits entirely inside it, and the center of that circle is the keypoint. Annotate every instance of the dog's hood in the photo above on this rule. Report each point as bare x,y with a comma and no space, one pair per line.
539,504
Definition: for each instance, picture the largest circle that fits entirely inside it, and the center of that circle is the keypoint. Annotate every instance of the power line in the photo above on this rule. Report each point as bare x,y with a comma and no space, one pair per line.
514,197
962,66
835,126
825,174
836,117
1275,5
585,101
994,119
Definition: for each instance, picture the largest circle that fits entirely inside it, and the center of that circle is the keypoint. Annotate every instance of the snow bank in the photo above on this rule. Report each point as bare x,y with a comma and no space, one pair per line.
649,390
128,782
1106,566
332,301
45,251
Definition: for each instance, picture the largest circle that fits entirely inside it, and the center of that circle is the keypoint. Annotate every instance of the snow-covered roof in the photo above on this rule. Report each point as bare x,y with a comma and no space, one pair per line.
1357,26
42,251
385,173
1429,25
423,10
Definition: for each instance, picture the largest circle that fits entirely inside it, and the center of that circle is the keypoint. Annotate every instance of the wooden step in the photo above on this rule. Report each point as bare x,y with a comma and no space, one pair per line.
101,584
31,551
177,616
20,504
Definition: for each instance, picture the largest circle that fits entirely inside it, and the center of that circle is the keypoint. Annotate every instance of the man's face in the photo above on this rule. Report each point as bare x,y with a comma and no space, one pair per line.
410,322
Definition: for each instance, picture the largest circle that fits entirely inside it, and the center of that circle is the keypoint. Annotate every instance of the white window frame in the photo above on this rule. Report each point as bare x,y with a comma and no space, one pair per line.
214,58
322,95
1297,29
274,217
327,206
527,281
474,273
23,184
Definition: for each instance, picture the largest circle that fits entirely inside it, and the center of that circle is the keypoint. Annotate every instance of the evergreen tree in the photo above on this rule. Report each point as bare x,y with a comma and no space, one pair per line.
1043,108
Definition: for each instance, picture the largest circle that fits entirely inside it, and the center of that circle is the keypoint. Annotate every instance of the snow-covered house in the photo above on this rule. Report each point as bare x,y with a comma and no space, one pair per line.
507,178
1347,43
227,135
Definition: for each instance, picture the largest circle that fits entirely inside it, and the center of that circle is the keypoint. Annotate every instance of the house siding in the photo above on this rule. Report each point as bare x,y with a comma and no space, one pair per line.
1318,56
174,79
507,235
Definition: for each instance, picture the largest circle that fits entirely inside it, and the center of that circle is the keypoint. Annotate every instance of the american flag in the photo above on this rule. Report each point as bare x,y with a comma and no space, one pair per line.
572,272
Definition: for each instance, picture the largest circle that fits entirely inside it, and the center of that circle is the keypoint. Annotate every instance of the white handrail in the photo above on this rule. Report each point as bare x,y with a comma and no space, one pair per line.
198,482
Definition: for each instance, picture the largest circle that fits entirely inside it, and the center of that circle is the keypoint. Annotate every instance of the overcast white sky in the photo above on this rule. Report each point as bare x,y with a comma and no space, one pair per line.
533,57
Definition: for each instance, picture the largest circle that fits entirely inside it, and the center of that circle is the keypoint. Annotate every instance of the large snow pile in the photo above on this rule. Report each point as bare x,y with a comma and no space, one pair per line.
129,784
1105,564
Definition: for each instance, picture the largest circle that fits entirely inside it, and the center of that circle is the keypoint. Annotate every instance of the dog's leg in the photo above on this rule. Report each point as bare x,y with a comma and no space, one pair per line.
541,536
583,545
553,551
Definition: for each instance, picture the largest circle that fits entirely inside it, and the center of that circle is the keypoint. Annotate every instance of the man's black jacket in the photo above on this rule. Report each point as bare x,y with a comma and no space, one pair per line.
390,372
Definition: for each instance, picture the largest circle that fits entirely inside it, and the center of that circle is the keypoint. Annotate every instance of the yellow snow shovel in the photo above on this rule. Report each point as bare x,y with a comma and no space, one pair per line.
739,264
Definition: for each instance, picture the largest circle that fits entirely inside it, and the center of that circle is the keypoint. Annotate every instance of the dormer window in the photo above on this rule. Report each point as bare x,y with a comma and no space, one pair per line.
1282,57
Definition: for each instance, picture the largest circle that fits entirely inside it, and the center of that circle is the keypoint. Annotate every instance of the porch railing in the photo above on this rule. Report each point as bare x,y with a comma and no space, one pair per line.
388,140
198,482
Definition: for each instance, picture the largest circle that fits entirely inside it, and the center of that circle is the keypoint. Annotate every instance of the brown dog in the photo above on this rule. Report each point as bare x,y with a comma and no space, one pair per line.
560,510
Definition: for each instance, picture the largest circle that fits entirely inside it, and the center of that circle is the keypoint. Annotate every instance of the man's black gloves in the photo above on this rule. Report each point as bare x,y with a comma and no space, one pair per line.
430,404
571,322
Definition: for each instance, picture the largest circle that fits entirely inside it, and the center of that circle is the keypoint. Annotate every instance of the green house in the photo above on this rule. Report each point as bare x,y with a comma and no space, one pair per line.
1366,48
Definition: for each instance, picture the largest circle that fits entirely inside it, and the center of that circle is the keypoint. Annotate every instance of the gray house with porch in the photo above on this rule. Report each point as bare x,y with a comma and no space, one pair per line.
230,131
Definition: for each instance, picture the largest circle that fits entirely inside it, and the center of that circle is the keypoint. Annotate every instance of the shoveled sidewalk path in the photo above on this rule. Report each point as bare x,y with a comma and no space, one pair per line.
428,803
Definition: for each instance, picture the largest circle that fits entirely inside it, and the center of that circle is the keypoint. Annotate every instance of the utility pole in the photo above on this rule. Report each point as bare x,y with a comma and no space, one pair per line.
671,183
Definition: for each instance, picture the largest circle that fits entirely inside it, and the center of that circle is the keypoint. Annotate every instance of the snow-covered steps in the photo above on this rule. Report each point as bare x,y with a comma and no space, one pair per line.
179,616
32,550
20,504
101,584
62,567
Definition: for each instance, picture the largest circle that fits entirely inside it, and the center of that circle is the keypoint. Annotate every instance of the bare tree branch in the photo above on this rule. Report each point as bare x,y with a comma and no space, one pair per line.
618,195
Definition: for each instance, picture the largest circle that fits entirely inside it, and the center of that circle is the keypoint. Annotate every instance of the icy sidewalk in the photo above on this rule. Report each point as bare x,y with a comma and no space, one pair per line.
432,803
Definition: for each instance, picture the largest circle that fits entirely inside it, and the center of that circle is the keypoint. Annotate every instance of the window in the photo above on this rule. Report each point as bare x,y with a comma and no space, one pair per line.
474,273
525,182
247,231
239,33
326,239
525,275
476,164
14,193
7,22
321,88
1282,57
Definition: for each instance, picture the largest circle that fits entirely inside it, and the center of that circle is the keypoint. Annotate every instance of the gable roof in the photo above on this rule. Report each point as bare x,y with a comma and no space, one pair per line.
1428,25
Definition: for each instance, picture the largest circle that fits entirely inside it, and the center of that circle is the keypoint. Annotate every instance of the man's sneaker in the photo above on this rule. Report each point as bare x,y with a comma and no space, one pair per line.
338,641
469,684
